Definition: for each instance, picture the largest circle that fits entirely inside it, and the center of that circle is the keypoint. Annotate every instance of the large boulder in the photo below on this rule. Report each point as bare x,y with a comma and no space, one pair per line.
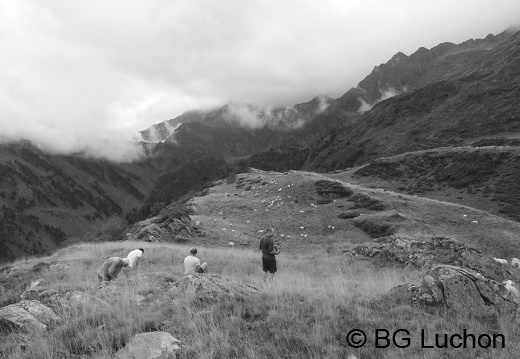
210,287
458,290
153,345
28,316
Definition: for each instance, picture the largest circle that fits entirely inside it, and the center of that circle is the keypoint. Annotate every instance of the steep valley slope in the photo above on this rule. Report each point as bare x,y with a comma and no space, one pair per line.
46,199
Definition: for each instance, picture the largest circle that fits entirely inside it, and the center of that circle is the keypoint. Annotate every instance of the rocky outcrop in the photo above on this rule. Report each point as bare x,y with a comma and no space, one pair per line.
332,189
161,228
28,316
154,345
458,290
349,214
425,254
210,287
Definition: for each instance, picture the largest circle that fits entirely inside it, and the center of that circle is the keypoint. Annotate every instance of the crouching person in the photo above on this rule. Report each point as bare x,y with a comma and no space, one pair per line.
111,268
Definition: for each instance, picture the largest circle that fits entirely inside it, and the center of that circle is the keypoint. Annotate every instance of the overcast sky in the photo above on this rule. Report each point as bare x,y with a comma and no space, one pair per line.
86,75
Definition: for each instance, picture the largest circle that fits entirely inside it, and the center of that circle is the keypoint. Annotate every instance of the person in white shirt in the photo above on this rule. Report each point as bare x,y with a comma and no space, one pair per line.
192,264
133,258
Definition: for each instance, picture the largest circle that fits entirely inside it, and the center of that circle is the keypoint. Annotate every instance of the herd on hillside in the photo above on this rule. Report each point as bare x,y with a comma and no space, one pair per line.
509,284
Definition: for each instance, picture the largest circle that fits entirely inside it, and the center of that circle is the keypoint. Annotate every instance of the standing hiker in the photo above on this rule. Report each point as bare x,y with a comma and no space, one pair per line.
269,251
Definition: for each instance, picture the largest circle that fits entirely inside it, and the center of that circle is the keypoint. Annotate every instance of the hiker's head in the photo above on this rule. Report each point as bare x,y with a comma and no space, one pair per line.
126,261
193,251
270,231
141,249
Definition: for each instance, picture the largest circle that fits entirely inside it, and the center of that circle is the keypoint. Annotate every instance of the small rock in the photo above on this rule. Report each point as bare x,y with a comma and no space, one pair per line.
153,345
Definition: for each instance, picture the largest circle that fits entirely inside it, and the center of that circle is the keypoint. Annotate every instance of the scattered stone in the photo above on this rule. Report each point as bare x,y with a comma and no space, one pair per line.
153,345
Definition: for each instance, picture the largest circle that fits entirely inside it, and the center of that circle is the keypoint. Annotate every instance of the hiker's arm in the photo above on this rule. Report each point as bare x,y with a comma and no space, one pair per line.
272,250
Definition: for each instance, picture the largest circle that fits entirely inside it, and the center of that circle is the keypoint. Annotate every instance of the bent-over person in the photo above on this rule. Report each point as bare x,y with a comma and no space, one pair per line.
133,257
111,268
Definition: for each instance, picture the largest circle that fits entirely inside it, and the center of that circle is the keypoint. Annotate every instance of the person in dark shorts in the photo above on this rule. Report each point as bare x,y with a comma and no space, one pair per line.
269,251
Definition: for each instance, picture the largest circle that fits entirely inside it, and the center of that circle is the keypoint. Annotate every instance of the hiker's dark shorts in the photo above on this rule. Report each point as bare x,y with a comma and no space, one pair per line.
269,265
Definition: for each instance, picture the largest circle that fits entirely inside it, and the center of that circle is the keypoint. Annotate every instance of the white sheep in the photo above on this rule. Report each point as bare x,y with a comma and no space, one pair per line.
515,263
510,286
474,222
231,244
500,260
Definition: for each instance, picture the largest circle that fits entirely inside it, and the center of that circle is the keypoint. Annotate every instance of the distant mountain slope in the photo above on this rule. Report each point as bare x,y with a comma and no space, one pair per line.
449,95
480,177
45,199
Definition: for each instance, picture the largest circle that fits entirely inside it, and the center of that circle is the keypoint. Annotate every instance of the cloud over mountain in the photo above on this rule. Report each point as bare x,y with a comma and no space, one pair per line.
77,76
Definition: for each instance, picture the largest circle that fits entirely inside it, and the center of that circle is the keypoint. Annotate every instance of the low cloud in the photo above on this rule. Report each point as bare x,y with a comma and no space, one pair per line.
256,117
53,140
323,104
386,94
157,133
247,115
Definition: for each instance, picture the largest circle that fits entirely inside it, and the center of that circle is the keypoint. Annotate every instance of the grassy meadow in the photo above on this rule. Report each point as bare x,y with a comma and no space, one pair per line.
305,313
